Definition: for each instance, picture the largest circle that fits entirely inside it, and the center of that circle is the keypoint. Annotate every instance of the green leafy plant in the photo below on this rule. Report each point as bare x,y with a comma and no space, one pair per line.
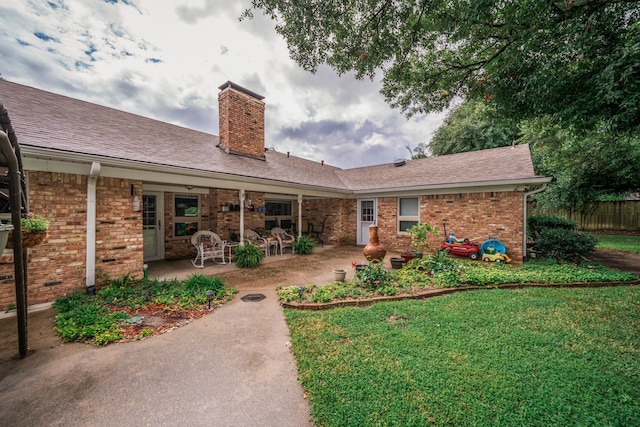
303,245
564,244
557,237
420,234
537,223
200,284
249,255
33,222
374,275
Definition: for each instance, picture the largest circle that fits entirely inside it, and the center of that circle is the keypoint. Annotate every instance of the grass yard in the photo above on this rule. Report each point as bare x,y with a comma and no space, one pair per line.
534,357
619,242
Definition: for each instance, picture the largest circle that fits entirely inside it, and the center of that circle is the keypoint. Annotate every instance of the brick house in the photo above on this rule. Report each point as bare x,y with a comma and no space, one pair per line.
122,189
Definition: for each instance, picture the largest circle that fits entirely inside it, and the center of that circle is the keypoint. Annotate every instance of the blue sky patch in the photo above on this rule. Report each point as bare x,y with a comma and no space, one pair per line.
43,36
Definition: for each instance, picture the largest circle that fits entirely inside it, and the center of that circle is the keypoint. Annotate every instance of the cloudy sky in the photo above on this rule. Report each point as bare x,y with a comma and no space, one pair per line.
165,59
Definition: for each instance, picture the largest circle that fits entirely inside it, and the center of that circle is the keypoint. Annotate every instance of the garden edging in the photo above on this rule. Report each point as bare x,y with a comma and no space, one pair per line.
445,291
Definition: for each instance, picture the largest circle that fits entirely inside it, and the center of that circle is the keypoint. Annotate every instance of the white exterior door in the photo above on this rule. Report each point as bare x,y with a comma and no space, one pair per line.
152,214
367,216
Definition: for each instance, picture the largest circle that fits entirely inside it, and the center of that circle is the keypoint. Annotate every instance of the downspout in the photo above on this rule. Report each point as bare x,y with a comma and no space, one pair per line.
91,228
299,215
524,228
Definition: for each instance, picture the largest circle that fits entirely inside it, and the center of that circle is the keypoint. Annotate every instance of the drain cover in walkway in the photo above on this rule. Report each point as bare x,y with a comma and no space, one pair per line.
253,297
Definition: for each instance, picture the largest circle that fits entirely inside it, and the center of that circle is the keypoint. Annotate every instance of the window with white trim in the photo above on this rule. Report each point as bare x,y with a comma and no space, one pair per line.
408,213
186,214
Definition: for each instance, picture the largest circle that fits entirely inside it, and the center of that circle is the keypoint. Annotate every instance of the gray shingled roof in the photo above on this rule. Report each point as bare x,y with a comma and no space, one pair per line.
50,121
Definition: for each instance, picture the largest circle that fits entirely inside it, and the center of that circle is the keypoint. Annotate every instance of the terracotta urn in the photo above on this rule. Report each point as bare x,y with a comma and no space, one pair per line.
374,251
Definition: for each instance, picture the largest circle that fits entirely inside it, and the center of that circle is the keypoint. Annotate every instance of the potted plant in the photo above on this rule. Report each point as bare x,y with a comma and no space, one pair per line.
33,230
420,234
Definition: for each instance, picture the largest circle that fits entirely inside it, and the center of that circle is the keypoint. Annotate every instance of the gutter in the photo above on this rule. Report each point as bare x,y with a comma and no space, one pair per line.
91,228
524,224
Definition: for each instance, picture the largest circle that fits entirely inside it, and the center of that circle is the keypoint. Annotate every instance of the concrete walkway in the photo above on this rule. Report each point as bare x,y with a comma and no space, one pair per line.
232,367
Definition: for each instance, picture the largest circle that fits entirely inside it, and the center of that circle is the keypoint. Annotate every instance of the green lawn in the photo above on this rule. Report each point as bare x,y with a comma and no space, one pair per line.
619,242
534,357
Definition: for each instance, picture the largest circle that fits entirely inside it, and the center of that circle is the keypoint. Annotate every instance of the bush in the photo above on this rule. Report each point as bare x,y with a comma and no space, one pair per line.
537,223
249,255
200,284
563,244
374,275
303,245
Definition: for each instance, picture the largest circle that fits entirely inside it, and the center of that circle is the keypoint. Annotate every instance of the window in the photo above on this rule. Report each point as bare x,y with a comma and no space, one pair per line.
278,208
408,213
186,215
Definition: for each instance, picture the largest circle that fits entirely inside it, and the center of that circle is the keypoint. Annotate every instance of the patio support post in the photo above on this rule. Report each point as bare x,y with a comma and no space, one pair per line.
241,196
19,253
299,215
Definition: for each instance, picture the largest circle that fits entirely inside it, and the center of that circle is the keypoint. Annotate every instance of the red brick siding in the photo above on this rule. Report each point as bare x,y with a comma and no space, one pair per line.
475,216
241,123
58,265
341,226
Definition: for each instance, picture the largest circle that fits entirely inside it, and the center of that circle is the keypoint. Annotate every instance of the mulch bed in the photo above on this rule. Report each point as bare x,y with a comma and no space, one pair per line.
156,319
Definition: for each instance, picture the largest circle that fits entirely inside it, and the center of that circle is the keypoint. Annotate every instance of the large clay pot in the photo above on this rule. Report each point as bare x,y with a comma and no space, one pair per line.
374,251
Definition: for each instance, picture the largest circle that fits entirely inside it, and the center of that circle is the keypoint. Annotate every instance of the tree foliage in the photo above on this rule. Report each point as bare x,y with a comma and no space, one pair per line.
577,61
472,126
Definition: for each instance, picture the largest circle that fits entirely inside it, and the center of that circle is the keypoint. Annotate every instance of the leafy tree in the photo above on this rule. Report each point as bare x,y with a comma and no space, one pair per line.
472,126
577,61
585,167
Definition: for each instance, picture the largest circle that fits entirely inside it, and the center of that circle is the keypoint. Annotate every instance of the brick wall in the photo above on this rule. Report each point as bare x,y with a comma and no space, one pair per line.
475,216
58,265
340,228
241,119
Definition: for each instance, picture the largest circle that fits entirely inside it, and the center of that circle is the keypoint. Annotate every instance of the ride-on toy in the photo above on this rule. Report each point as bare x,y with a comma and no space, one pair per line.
494,250
462,247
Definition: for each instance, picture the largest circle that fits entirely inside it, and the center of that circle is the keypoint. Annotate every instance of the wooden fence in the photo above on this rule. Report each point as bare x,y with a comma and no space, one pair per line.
610,216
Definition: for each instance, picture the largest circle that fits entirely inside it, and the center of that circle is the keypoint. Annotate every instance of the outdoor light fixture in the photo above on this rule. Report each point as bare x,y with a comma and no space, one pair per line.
209,297
300,290
135,200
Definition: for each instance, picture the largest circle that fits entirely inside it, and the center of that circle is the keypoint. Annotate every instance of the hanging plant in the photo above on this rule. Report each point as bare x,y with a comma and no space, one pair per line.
33,230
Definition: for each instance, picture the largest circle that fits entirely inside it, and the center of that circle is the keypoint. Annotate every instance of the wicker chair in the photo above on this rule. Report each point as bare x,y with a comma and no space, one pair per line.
252,237
208,246
285,240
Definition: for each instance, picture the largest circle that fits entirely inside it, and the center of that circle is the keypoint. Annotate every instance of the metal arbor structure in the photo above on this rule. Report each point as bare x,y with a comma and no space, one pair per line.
13,197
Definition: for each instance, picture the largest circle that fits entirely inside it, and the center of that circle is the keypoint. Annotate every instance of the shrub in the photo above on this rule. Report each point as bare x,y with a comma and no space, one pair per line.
249,255
420,234
563,244
200,284
303,245
536,223
374,275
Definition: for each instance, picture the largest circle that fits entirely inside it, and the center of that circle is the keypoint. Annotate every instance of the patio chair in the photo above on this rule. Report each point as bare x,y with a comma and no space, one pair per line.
316,233
252,237
208,246
285,240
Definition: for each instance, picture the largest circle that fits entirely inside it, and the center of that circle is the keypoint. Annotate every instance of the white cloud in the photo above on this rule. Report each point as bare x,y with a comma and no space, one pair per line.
165,59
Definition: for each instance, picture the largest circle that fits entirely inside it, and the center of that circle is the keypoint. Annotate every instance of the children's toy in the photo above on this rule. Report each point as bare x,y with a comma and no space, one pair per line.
497,257
494,251
462,247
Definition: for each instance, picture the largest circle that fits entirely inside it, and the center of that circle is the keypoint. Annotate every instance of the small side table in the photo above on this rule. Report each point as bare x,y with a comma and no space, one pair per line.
232,245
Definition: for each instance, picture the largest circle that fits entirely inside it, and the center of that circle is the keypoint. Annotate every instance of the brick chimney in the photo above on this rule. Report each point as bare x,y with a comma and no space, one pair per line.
241,118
